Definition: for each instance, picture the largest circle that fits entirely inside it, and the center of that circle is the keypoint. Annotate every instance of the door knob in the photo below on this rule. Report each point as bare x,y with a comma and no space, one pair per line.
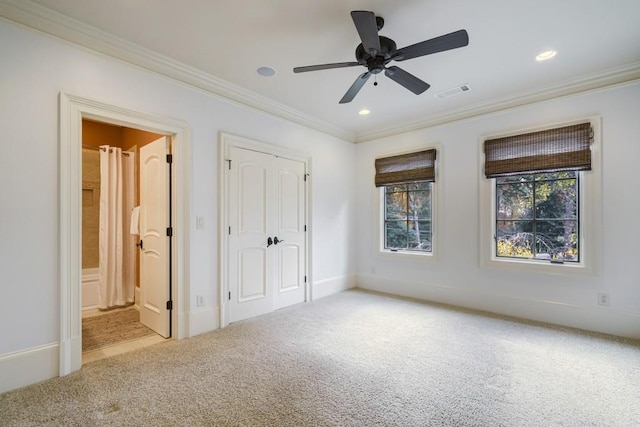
270,241
276,240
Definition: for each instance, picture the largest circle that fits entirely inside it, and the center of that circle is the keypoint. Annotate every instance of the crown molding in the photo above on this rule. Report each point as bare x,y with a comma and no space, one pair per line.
615,76
71,30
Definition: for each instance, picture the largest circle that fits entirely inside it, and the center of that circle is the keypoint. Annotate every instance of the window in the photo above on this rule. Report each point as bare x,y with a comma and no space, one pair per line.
538,206
537,216
407,201
407,216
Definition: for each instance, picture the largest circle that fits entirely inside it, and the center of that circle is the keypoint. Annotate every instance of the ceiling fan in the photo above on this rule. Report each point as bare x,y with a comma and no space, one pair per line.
376,51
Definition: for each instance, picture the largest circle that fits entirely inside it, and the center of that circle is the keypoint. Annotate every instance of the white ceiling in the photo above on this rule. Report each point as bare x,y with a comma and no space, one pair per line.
225,41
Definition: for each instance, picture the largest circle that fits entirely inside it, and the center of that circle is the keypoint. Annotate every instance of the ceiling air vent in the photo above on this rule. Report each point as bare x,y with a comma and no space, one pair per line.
453,91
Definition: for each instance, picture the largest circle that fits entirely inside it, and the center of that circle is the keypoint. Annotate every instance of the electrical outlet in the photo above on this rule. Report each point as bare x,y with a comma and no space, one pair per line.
603,299
199,300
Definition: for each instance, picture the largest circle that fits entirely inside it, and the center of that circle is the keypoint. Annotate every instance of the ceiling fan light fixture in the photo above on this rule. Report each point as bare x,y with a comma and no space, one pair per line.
266,71
364,112
546,55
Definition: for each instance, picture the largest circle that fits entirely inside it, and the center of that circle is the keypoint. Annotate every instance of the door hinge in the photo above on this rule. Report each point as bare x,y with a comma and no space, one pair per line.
169,158
229,160
305,279
305,228
229,230
229,295
169,231
306,175
169,305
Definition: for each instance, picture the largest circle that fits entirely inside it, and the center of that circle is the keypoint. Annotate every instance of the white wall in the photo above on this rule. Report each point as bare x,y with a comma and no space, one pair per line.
457,277
34,69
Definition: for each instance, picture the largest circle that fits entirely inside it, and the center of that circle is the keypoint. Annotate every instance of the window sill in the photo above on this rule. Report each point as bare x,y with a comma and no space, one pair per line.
539,266
427,256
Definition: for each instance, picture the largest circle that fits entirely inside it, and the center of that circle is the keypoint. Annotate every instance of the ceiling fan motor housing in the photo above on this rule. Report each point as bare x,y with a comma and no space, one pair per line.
376,64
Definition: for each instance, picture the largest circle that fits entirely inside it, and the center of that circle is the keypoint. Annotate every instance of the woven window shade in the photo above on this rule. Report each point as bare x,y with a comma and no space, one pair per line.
553,150
419,166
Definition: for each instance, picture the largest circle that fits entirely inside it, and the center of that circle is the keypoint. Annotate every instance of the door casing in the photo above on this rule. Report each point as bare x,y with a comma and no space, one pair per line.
226,141
72,110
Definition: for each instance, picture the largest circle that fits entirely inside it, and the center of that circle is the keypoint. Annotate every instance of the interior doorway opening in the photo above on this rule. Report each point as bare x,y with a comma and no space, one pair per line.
73,110
111,283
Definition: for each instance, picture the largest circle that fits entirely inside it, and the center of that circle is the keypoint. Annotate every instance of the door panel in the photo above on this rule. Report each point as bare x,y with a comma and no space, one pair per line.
250,270
252,275
289,268
290,278
252,198
289,201
154,220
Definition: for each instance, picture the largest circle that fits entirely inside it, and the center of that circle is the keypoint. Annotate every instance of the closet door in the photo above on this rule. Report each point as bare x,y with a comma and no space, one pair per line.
290,250
250,269
266,233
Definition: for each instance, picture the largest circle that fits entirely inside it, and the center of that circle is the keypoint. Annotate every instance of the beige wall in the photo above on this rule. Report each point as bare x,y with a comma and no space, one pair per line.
96,134
90,207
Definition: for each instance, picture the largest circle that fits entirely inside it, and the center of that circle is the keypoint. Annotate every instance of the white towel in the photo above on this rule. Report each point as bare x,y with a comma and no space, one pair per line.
135,220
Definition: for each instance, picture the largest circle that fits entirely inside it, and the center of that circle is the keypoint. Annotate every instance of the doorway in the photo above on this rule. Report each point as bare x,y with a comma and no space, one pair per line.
265,253
73,110
115,185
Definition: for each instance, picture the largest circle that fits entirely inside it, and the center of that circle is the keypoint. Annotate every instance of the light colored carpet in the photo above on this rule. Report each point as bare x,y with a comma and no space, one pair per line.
352,359
112,328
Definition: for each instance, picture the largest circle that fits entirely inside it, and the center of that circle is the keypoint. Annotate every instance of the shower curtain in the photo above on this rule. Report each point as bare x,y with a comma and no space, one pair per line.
116,267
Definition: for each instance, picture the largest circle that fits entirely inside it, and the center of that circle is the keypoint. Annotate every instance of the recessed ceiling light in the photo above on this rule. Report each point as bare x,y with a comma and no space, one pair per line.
546,55
364,112
266,71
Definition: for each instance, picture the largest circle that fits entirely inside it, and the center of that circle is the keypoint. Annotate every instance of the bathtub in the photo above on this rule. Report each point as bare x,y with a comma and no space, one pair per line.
89,288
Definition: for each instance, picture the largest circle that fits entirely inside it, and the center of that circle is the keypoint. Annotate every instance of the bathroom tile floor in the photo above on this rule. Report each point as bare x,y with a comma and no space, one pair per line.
119,348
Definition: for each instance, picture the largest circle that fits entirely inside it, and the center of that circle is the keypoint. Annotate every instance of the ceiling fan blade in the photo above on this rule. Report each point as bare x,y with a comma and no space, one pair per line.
449,41
324,67
367,30
407,80
355,87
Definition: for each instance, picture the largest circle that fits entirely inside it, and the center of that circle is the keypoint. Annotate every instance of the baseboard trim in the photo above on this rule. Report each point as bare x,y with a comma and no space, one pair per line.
333,285
203,319
603,320
26,367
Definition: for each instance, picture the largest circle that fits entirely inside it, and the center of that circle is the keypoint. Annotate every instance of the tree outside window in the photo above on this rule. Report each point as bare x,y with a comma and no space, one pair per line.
537,216
407,216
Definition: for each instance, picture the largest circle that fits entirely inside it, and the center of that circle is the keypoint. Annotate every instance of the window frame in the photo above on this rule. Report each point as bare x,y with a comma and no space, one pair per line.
435,204
589,211
534,220
384,219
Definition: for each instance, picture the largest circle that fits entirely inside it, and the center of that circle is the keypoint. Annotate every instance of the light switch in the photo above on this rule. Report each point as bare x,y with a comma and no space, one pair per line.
200,222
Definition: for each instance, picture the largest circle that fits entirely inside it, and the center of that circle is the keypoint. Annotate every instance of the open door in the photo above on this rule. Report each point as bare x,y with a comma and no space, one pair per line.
155,232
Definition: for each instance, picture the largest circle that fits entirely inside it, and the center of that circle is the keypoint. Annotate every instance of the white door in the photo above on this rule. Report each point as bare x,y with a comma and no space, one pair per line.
290,252
266,205
154,221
